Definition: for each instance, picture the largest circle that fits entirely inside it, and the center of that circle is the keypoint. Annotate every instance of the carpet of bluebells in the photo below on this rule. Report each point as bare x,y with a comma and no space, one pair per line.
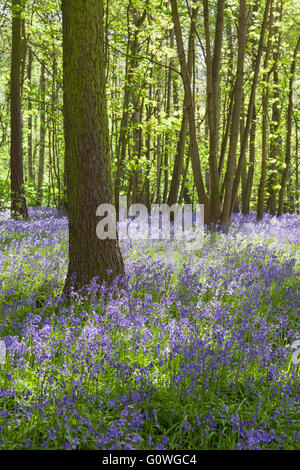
194,352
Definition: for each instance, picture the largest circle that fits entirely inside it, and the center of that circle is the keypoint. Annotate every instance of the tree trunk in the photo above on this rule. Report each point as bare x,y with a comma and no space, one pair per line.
288,132
88,164
297,168
167,138
179,157
202,198
275,143
130,95
29,123
244,143
213,65
228,113
249,181
159,138
264,130
18,201
138,178
248,168
42,136
236,114
122,142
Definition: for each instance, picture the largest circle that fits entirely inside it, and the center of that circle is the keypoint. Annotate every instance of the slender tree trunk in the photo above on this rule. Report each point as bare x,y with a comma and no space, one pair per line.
248,168
138,178
213,65
51,165
42,137
148,148
275,143
18,201
226,134
29,122
231,163
244,143
250,175
122,142
228,114
167,138
121,148
264,155
244,169
181,143
88,164
159,138
297,168
202,198
24,48
264,130
288,132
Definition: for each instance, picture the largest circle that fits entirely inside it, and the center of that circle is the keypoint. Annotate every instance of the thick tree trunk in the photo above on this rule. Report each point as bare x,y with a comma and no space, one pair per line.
88,165
18,201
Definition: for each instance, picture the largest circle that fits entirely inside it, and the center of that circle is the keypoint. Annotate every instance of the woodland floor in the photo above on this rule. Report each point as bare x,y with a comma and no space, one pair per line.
195,353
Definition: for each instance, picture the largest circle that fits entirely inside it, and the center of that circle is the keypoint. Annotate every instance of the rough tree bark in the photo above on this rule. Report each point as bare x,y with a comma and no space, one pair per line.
18,201
88,165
